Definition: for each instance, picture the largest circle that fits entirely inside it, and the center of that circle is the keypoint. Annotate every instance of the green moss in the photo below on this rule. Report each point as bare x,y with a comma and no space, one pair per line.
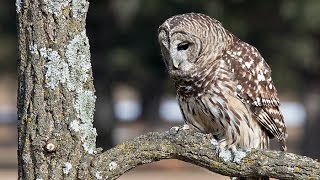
66,11
215,164
122,146
28,120
296,169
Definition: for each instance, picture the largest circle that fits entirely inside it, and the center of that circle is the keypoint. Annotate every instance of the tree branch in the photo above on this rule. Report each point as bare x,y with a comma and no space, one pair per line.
196,148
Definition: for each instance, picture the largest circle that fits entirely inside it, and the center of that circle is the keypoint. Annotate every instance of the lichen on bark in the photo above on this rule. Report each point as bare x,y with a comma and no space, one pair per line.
56,94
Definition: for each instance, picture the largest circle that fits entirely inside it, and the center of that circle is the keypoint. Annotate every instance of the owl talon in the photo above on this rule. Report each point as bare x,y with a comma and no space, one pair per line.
215,142
228,153
174,130
225,154
186,127
238,155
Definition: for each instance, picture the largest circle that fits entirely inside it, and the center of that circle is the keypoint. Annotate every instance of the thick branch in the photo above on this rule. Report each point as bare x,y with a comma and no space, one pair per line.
196,148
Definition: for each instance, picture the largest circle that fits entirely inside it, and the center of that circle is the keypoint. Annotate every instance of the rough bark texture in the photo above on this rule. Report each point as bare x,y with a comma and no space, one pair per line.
56,104
197,148
56,94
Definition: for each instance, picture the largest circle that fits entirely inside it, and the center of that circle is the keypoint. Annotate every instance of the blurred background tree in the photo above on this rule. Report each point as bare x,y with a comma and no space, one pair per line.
127,64
125,49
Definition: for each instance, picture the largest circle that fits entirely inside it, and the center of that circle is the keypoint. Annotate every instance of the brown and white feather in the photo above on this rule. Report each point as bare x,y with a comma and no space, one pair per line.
224,86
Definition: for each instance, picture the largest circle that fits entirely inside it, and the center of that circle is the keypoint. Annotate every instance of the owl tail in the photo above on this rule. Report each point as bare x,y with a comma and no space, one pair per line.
250,178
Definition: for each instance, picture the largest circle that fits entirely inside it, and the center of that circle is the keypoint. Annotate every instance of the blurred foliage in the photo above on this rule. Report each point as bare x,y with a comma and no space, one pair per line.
123,36
8,39
124,47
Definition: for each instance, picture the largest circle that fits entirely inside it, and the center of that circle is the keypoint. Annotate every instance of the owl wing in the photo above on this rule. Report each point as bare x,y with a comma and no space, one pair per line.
255,88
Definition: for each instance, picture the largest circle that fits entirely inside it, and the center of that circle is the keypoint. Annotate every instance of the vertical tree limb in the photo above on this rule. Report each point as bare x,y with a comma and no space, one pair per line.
56,94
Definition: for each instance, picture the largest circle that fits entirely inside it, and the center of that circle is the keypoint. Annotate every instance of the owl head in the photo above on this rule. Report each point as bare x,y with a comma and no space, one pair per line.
190,40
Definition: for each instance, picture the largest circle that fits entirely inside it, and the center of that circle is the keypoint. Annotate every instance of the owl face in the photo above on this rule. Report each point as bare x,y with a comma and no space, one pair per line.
189,41
180,49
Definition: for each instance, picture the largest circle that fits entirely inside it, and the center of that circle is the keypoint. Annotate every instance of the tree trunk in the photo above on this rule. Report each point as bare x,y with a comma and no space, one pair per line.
56,95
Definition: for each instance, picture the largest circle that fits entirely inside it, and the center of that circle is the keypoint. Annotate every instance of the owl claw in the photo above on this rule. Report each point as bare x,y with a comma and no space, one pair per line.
238,155
215,142
174,130
232,155
186,127
225,154
228,153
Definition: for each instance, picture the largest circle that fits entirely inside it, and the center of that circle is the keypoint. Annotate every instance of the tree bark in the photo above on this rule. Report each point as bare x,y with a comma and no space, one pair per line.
56,138
201,150
56,94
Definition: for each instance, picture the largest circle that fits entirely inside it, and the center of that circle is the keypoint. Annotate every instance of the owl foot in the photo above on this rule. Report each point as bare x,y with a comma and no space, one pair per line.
238,155
176,129
185,127
222,151
228,153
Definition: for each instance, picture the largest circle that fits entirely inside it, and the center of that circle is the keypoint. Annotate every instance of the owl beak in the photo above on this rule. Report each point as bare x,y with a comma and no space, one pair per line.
176,63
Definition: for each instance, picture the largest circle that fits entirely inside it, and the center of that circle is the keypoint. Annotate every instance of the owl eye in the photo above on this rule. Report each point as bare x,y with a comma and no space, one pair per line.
183,46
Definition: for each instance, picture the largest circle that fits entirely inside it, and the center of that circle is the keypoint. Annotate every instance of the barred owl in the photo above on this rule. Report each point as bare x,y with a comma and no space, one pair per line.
223,84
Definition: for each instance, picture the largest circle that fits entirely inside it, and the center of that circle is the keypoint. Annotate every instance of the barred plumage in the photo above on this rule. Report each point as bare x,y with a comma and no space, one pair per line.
223,84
